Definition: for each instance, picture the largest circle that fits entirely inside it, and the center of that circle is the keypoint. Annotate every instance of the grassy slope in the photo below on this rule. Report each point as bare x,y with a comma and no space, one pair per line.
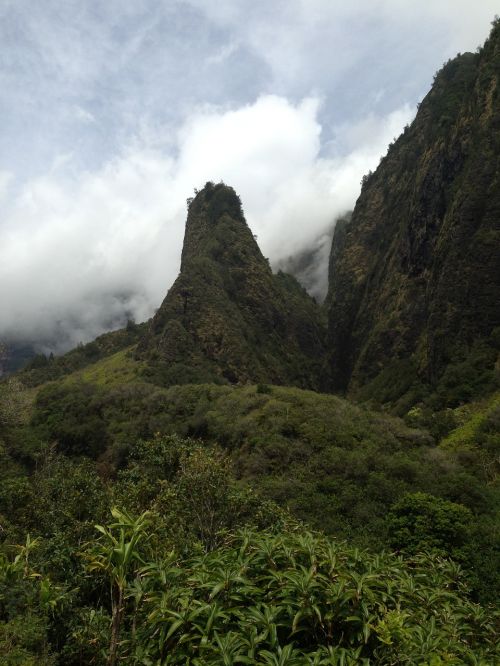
476,420
42,369
114,370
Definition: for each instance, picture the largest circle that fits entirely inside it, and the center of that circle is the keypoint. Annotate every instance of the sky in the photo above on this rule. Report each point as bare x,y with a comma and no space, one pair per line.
113,112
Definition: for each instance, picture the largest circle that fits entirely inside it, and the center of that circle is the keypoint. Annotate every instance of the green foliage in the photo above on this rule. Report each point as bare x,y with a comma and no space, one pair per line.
27,602
71,416
87,637
452,85
59,504
70,497
190,491
14,404
18,444
16,499
468,377
470,374
222,200
290,598
117,554
477,428
119,368
421,522
397,387
182,586
333,464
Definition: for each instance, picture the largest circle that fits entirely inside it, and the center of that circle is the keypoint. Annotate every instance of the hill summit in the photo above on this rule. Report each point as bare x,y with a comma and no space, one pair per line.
227,317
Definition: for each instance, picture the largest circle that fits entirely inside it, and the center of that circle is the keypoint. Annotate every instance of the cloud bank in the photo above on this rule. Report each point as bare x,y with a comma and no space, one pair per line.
82,251
112,112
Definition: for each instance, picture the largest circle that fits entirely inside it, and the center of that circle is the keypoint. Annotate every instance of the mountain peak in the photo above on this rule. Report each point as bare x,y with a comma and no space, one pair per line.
215,219
227,317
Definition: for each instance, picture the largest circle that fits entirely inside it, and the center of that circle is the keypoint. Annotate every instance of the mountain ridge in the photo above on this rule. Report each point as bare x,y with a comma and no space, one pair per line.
412,306
415,274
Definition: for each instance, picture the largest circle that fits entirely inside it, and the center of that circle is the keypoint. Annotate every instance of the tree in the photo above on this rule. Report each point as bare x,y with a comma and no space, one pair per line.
117,554
419,522
203,488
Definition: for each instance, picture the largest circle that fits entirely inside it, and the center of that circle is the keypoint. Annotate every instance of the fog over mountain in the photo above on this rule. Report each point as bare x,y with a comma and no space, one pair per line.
113,112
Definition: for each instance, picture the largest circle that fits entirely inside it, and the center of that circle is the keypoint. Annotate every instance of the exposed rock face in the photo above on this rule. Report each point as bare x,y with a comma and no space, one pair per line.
227,317
416,272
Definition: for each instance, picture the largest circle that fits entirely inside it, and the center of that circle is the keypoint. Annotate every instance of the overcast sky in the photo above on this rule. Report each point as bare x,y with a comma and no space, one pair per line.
113,111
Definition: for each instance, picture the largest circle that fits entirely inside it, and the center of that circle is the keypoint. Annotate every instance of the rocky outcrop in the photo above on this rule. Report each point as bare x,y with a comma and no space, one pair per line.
227,317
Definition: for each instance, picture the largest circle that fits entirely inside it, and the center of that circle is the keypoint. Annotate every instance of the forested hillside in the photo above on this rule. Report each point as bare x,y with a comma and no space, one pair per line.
414,278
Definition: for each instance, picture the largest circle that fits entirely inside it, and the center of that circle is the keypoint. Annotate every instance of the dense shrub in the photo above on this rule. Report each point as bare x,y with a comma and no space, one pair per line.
292,598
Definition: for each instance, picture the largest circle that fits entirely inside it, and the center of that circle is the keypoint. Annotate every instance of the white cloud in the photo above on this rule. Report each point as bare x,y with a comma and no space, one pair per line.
313,42
83,115
78,251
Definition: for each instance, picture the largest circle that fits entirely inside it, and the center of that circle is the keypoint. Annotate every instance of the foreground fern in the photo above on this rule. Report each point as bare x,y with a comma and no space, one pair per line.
292,598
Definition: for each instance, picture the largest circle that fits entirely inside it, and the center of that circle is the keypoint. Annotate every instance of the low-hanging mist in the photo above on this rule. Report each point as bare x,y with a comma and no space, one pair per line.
81,252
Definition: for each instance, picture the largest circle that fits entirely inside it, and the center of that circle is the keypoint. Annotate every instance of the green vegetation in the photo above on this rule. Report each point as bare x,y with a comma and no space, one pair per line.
471,374
152,588
421,522
231,487
289,598
42,369
478,430
330,463
172,579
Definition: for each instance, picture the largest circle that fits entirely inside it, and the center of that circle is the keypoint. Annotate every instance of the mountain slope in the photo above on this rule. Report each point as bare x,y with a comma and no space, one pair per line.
227,318
415,275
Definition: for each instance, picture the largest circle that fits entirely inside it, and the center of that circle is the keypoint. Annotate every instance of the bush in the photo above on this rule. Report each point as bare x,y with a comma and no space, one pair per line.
421,522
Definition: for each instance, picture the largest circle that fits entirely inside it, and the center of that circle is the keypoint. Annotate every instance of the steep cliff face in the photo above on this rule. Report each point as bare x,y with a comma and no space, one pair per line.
227,318
415,274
